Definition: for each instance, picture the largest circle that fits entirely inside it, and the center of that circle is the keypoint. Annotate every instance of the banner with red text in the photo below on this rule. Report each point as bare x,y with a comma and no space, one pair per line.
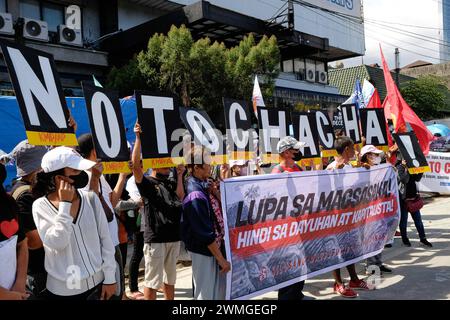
438,180
284,228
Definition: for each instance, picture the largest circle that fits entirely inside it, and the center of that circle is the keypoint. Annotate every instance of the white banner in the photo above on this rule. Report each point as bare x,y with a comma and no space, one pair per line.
438,180
284,228
349,7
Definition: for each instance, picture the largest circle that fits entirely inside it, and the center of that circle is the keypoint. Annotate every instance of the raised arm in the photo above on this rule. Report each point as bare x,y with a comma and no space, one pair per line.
136,157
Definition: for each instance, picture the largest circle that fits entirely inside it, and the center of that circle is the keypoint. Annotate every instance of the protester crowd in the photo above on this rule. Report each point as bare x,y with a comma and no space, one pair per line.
65,226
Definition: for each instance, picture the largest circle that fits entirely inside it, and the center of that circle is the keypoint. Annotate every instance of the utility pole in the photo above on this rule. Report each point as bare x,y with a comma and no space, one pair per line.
291,25
397,67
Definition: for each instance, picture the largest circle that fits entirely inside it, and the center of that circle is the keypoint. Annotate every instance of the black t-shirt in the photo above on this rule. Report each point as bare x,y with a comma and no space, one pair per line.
9,224
25,201
162,220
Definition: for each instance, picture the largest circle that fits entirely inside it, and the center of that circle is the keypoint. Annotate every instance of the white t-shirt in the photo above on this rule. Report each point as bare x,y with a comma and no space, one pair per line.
106,192
332,166
132,189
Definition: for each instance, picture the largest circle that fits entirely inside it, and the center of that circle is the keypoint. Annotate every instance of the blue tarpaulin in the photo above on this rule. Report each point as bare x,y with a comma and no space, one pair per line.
12,130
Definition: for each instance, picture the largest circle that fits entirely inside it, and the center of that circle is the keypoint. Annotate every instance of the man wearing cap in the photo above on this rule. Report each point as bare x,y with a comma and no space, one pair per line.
28,163
79,253
289,150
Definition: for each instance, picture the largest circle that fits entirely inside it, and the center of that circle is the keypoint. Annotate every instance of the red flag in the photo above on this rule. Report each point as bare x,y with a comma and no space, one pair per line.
393,98
387,115
396,108
420,129
374,101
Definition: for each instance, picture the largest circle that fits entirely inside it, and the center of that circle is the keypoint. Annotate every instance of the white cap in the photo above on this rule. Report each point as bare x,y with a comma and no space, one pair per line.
239,162
64,157
370,149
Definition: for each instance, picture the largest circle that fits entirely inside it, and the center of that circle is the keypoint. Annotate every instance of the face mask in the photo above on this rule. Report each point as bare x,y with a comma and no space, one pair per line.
243,171
297,156
161,176
80,180
376,160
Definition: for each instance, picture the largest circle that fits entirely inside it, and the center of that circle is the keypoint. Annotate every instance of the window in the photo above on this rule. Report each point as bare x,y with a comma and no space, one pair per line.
3,6
53,14
30,9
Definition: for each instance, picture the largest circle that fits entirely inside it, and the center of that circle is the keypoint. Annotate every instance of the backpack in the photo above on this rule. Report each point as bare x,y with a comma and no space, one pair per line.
167,207
20,190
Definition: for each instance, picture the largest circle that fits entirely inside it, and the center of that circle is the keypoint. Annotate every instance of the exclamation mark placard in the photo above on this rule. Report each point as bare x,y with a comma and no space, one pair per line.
411,152
407,142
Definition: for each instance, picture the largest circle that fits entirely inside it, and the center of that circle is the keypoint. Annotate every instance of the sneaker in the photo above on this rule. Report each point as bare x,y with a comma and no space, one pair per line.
406,242
425,242
343,291
359,285
389,245
385,269
136,295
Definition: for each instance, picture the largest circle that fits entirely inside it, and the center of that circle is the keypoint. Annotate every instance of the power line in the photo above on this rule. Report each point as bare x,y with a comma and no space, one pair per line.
403,24
382,41
413,34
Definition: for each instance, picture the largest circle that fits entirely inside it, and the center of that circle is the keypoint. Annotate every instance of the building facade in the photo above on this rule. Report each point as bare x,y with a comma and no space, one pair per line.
444,12
310,35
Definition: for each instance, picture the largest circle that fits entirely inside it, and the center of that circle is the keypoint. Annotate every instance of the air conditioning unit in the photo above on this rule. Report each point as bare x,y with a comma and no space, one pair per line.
322,77
310,73
69,36
6,24
35,29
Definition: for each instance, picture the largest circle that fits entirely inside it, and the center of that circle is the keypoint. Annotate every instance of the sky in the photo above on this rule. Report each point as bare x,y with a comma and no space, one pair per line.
409,12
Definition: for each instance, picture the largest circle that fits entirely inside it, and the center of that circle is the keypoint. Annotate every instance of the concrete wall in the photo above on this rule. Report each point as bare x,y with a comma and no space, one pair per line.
342,33
131,14
440,70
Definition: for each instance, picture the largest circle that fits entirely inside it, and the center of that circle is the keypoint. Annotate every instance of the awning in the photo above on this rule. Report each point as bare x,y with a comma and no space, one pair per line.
219,24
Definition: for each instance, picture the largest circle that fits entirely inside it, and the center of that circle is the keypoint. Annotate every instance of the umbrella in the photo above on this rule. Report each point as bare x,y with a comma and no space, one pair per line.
441,129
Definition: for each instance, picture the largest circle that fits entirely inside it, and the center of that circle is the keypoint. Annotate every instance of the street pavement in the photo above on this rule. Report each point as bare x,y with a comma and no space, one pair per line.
419,272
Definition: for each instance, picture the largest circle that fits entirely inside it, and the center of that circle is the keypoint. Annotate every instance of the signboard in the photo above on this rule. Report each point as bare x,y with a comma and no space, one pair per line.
348,7
159,118
273,126
350,119
305,130
203,132
108,129
39,94
438,179
409,147
326,134
238,126
373,126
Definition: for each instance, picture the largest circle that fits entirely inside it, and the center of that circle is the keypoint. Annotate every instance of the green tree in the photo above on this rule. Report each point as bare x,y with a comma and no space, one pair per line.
427,96
200,72
176,64
127,78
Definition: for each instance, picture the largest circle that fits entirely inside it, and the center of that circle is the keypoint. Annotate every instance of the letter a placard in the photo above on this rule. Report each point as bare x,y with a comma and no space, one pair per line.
373,126
108,129
39,95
